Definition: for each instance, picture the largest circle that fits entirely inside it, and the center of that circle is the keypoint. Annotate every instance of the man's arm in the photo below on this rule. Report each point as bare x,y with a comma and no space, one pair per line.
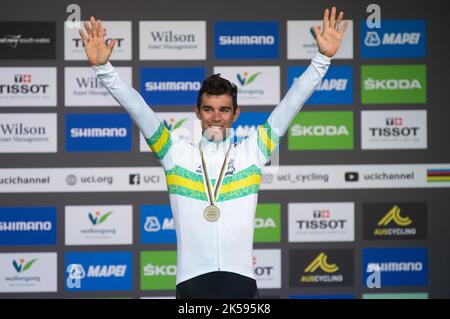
98,54
268,135
328,42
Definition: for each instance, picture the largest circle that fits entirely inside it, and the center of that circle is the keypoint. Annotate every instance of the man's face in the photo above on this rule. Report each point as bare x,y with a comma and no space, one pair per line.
216,114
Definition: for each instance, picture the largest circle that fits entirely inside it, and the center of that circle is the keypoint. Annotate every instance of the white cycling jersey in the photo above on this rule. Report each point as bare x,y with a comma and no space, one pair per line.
226,244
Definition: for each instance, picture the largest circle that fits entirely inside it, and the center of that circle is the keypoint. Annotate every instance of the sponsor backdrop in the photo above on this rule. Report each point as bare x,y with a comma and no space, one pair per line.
354,205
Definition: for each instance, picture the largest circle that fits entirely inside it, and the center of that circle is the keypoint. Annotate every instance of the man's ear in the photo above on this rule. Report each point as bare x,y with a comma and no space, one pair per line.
236,114
197,113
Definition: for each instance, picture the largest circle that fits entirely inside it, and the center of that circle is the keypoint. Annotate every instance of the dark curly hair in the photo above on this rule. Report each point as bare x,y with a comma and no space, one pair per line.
216,85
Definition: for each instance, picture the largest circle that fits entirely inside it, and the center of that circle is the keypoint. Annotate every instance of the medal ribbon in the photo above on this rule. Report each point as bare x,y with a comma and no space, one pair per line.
219,181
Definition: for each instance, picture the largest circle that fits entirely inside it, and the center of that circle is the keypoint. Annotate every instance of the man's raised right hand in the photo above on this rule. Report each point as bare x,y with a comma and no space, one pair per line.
97,51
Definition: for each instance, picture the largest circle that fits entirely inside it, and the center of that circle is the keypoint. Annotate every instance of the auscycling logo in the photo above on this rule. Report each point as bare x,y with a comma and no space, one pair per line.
395,221
22,265
246,78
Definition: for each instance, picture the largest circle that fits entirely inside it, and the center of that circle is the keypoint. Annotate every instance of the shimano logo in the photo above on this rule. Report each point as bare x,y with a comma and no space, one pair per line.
247,40
106,271
395,267
392,84
156,270
319,130
98,132
173,86
26,226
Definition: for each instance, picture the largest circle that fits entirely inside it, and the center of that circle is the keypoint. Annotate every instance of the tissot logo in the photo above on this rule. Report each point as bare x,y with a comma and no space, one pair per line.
318,222
33,86
27,40
321,268
395,221
267,267
394,129
118,30
395,39
246,40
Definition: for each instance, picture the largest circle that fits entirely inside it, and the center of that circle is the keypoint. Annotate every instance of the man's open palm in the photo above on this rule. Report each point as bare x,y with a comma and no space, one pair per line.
97,51
329,40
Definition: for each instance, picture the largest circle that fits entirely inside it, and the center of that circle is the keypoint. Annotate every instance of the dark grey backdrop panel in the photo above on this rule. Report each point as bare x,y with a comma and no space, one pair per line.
282,10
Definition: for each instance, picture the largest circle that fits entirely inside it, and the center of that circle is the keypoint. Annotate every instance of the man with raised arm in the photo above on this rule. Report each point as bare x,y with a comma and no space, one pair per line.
213,187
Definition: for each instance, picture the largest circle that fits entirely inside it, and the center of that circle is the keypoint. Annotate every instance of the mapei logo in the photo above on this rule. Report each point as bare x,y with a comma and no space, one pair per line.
246,40
397,266
322,263
98,218
157,224
171,86
98,271
335,88
246,78
98,132
395,39
22,265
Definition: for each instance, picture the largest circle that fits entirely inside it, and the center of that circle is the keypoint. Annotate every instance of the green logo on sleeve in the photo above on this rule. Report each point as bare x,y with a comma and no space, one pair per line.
396,84
267,223
158,270
321,131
